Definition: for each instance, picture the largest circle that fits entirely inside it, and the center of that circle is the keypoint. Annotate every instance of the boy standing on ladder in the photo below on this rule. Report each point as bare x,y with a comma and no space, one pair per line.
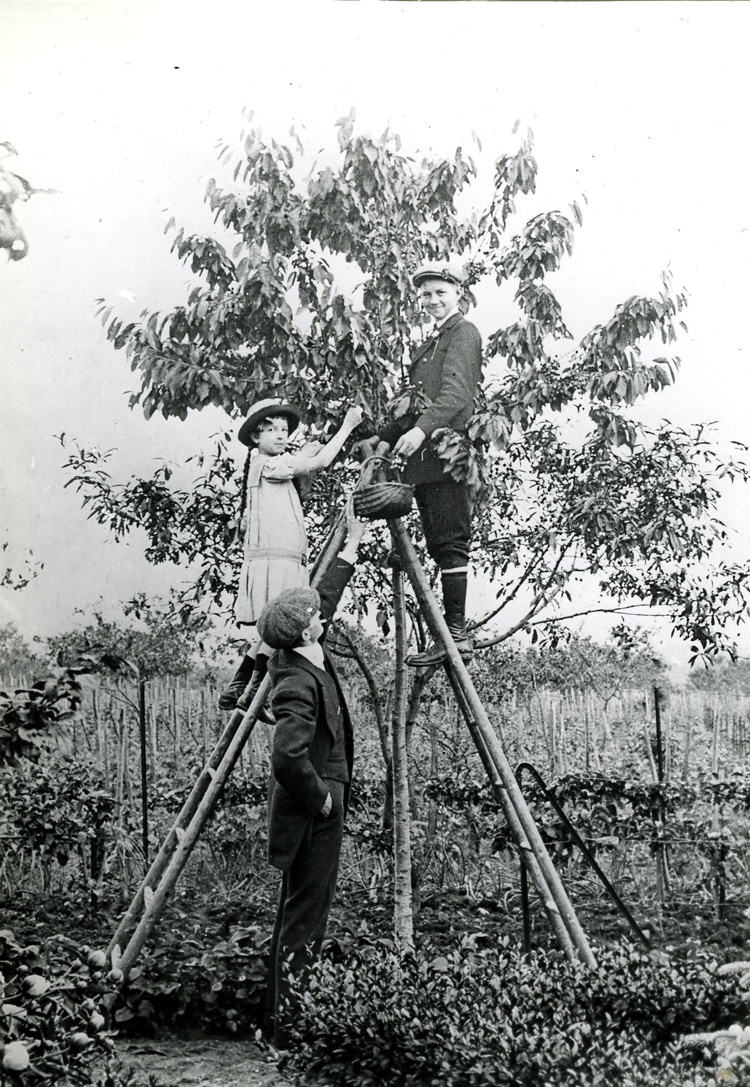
447,371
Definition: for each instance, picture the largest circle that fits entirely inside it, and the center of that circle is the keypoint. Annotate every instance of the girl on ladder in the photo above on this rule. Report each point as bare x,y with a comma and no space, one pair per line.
275,539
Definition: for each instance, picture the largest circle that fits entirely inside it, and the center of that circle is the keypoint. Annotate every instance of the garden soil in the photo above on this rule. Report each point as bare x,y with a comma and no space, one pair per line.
199,1061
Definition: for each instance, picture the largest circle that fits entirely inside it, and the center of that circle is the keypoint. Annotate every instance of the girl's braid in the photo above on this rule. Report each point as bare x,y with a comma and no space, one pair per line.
243,490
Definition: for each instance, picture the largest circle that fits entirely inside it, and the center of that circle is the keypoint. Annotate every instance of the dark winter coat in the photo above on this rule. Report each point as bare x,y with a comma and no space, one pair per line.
311,715
448,370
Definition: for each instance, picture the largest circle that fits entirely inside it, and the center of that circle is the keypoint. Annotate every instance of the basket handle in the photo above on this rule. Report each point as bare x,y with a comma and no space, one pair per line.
372,466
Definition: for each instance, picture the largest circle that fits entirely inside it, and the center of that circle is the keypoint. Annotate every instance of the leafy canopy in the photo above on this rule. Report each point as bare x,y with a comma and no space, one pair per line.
304,292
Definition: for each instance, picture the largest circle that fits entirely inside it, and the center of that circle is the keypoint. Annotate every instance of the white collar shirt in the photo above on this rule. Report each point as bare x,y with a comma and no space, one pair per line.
313,653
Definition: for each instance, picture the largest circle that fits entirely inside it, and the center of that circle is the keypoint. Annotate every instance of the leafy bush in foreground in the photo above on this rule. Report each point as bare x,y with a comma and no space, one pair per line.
480,1016
732,1046
54,1017
28,717
188,979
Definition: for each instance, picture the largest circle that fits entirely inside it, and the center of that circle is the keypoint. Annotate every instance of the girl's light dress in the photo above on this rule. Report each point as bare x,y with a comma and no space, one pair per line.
275,538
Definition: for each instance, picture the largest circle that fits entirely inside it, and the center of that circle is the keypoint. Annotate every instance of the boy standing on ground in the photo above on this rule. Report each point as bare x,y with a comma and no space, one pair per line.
312,757
447,371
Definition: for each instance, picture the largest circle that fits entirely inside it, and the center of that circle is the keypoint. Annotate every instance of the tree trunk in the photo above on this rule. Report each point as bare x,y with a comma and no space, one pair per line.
688,742
153,739
143,745
419,682
121,736
177,723
402,913
381,709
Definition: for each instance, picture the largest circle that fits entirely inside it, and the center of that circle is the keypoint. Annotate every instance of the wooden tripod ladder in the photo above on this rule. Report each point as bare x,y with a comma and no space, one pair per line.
148,902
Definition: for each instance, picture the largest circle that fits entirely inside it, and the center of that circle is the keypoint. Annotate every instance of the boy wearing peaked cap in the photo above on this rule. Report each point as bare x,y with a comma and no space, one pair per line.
447,369
312,756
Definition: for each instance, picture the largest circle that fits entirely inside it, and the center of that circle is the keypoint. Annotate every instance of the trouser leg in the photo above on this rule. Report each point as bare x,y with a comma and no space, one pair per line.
307,892
445,509
270,1004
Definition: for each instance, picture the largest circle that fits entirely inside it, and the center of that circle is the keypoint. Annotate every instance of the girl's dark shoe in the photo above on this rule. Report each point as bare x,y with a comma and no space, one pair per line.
252,688
228,697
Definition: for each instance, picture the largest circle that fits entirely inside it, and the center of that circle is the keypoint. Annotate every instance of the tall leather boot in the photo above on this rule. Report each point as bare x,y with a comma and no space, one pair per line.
228,697
454,608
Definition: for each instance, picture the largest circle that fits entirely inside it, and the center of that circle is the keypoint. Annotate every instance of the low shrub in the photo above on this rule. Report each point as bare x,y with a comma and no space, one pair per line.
53,809
483,1015
731,1046
55,1017
183,980
29,717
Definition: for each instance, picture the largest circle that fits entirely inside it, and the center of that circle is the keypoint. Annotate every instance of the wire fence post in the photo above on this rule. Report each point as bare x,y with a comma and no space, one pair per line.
662,859
144,764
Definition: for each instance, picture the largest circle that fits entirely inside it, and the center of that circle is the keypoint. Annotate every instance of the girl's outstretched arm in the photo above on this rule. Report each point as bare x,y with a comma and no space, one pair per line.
329,452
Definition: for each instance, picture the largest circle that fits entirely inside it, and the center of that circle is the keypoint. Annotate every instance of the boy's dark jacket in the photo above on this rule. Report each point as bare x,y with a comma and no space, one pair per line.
308,705
448,370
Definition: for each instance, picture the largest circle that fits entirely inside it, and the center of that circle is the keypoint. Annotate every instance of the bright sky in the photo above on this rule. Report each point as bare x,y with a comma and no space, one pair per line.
119,107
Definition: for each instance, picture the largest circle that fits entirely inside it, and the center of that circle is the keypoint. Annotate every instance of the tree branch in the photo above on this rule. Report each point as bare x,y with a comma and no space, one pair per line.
620,609
355,654
512,593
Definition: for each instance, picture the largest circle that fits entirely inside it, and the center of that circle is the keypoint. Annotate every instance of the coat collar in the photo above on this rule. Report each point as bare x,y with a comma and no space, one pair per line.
436,334
288,656
313,653
454,317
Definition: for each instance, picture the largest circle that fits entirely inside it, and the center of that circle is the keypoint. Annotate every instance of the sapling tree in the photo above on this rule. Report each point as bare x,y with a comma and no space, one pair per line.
304,293
16,658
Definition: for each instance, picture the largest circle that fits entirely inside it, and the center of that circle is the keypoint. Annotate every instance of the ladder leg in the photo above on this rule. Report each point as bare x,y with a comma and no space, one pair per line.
529,861
188,810
557,896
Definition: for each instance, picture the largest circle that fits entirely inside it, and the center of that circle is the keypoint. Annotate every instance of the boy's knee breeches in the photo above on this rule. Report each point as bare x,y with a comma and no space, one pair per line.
445,509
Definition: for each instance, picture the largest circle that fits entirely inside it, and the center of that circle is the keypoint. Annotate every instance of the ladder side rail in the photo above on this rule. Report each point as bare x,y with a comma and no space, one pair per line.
329,550
187,840
182,821
439,629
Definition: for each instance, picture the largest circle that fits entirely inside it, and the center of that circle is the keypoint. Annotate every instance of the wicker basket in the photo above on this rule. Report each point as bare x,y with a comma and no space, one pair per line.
383,500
